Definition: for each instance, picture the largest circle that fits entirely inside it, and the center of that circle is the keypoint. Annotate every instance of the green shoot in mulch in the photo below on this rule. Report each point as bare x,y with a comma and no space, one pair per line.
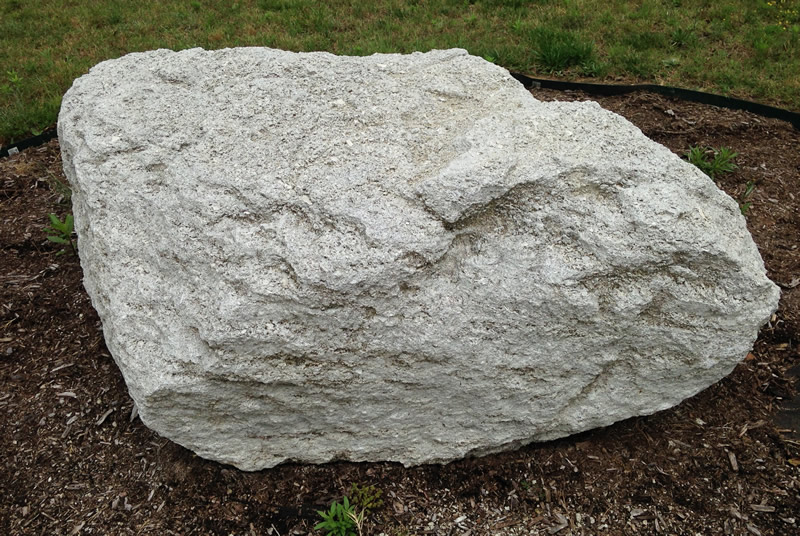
60,232
711,161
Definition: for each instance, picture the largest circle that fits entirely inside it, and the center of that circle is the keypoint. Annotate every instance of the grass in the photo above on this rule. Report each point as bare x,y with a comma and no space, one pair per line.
745,48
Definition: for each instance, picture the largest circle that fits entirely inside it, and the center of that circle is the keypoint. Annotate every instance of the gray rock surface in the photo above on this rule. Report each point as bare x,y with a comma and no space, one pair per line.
396,257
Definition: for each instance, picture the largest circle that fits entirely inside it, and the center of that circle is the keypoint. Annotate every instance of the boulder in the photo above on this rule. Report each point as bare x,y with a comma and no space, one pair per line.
308,257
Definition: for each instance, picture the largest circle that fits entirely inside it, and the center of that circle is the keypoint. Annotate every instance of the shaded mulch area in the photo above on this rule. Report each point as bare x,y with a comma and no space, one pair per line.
73,461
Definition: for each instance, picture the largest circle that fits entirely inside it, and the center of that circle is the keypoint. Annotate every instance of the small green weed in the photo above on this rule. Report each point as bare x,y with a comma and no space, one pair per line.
368,498
60,232
347,518
341,519
711,161
683,37
744,203
787,11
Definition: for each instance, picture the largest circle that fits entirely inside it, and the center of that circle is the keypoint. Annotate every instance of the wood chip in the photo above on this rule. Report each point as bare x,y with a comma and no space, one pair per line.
563,523
762,508
737,514
102,418
134,412
69,394
681,444
794,282
753,530
732,459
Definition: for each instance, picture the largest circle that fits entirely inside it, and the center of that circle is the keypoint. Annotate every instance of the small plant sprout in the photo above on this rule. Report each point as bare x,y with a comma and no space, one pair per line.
341,519
60,232
744,202
711,161
347,518
368,498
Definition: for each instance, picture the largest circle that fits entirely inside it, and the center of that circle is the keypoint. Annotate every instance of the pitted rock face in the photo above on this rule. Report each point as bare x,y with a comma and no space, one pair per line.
396,257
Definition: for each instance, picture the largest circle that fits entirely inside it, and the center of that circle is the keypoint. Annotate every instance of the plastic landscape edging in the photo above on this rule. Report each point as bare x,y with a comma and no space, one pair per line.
683,94
529,82
14,148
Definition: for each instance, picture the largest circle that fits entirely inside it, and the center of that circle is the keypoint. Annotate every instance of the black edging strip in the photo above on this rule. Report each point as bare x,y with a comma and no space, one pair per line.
44,137
596,89
684,94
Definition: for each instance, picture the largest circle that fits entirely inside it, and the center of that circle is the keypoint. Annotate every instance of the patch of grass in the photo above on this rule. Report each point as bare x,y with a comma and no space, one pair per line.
747,48
683,37
639,40
556,50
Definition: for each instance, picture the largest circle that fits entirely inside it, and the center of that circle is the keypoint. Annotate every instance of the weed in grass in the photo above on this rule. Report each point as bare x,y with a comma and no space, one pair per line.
712,162
683,37
60,232
594,68
787,13
556,50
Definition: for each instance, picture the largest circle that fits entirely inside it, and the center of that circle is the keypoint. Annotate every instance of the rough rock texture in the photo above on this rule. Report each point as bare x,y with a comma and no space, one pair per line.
396,257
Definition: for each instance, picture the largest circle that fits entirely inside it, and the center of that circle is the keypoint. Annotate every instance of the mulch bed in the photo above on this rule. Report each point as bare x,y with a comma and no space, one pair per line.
72,461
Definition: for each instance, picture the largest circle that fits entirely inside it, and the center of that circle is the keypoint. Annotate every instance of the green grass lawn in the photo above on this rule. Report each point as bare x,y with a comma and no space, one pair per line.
744,48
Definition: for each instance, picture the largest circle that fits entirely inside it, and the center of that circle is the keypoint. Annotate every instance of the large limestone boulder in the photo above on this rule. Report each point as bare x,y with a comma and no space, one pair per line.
397,257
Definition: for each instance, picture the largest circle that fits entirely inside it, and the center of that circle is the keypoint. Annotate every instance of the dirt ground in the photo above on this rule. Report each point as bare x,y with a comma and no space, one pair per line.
72,461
